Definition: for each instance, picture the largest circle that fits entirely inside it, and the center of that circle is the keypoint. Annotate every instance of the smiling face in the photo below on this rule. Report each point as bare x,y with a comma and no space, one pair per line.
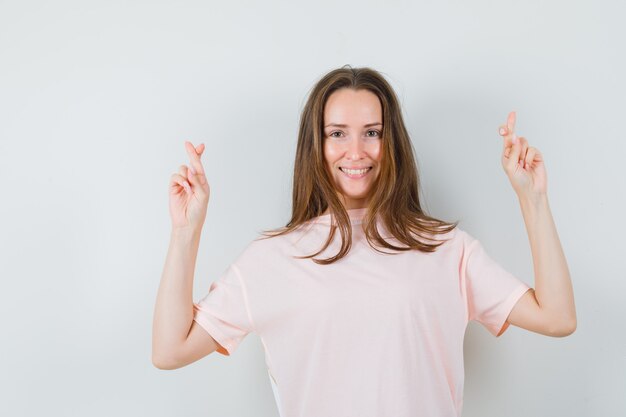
352,143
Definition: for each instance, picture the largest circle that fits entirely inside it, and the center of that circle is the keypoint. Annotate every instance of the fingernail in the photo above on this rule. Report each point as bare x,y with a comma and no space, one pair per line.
502,131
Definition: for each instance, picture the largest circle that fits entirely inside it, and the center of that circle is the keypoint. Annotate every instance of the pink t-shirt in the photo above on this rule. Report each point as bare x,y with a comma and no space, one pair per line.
370,335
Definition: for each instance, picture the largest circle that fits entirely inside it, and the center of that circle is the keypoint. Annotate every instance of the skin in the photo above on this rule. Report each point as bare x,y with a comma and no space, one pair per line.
177,340
354,144
549,307
188,204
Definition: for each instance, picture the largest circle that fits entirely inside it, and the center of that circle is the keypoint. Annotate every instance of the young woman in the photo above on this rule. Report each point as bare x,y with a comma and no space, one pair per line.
369,321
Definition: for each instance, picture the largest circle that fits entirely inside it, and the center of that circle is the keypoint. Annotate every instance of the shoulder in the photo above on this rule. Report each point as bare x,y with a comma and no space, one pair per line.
449,237
260,249
456,241
257,246
460,236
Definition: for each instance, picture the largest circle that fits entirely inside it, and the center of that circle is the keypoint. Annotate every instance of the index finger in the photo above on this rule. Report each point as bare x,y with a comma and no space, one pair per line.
194,156
510,123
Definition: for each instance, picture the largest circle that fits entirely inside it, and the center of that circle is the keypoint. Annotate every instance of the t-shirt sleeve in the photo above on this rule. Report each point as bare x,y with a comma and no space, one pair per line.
223,312
491,290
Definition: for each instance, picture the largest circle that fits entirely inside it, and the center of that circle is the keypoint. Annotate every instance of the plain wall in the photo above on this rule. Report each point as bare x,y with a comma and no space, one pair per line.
97,98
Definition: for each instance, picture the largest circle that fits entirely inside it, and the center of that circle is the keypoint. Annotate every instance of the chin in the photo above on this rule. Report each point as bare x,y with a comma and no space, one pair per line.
355,196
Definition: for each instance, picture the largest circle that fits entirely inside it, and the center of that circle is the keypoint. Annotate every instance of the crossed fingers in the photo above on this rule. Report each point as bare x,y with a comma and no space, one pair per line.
510,138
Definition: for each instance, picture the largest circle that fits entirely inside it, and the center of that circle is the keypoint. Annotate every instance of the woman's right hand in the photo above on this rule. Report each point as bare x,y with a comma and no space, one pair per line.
189,192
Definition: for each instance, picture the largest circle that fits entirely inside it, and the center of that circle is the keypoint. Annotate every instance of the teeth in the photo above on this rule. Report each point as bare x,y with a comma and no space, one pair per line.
355,171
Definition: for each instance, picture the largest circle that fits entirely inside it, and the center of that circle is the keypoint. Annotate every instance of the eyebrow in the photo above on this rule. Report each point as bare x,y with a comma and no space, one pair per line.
341,125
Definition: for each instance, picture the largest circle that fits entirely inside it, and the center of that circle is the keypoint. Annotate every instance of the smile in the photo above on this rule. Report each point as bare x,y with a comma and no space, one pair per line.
355,173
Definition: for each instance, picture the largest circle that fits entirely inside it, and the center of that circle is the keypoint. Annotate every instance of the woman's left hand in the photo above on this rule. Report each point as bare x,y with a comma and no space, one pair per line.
523,164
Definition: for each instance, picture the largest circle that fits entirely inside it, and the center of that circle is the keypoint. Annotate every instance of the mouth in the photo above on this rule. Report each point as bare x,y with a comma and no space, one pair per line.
355,173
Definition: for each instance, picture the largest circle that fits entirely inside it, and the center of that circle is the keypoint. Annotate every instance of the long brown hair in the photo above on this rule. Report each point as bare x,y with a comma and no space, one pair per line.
395,192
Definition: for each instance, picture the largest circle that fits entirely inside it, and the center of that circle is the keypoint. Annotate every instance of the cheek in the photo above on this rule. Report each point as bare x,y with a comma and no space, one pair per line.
376,152
331,153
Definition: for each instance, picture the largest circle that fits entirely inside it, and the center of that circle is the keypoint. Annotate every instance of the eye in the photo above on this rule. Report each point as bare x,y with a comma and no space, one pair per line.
375,131
332,133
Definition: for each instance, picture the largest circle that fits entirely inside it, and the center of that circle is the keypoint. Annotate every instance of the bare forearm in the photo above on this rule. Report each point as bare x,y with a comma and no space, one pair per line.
173,312
553,285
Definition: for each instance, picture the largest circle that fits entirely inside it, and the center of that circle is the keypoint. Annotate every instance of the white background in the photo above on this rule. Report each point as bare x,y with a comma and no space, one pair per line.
96,99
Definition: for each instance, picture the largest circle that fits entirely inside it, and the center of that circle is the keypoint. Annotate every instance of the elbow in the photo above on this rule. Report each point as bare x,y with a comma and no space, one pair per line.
158,363
163,364
571,328
565,330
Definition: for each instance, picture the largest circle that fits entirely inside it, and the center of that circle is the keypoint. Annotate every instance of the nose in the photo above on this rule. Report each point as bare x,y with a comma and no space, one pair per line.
355,148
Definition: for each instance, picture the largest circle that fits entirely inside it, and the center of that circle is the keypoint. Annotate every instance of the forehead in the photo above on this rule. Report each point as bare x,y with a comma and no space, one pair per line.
352,106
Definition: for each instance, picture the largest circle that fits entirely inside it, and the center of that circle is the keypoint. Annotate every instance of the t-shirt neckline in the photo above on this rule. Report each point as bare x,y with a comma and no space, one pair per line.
356,216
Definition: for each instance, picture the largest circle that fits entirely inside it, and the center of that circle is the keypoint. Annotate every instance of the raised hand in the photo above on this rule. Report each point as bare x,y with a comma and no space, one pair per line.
189,192
523,164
